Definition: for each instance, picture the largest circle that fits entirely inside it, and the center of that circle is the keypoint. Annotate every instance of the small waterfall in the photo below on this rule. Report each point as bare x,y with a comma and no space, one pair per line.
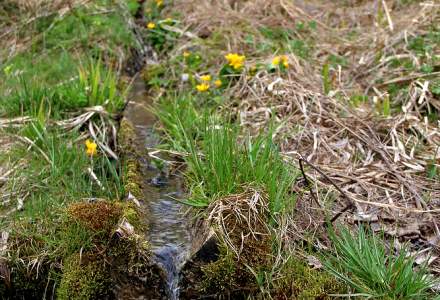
169,235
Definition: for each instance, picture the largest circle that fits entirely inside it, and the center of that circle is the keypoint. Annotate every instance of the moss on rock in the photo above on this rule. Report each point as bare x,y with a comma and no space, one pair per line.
98,216
131,156
297,280
84,278
126,136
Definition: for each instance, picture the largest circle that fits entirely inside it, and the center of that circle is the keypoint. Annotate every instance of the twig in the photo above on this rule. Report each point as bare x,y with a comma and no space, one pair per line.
387,13
32,144
407,78
300,160
350,203
95,178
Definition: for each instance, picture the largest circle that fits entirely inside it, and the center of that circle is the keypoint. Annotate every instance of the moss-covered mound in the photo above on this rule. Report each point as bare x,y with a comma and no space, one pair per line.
246,263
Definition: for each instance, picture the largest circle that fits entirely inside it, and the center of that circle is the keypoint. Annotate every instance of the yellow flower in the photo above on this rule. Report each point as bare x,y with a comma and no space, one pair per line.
235,60
151,25
159,2
218,83
276,60
91,148
186,54
285,61
203,87
205,77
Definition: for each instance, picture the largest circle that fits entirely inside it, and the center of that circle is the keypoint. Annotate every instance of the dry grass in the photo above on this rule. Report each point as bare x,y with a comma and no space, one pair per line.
15,26
240,218
379,161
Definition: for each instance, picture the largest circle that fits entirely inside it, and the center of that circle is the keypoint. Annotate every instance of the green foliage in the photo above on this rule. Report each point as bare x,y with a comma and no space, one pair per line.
133,6
435,88
160,37
326,81
425,44
62,167
357,99
278,39
100,86
220,276
363,262
220,159
47,70
336,60
84,27
300,48
180,120
95,85
65,66
193,60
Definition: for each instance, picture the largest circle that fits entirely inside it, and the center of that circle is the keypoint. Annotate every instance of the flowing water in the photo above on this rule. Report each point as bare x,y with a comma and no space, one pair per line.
169,233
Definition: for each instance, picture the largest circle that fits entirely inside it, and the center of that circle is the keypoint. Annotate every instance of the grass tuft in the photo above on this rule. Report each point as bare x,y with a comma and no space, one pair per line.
220,161
363,262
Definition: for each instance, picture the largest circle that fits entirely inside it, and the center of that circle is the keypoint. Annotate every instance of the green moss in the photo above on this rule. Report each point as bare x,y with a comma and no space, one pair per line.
126,136
134,216
232,273
220,276
296,280
98,216
83,278
132,177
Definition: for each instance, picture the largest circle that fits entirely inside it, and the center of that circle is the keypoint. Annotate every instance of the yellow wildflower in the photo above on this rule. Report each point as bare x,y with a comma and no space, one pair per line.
235,60
151,25
203,87
91,148
159,2
186,54
218,83
276,60
285,61
205,77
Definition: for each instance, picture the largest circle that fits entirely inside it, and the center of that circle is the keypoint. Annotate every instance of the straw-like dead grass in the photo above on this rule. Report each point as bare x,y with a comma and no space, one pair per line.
380,161
241,219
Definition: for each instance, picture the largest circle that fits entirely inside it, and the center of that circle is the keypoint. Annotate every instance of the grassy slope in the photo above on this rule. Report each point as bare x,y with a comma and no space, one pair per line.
61,59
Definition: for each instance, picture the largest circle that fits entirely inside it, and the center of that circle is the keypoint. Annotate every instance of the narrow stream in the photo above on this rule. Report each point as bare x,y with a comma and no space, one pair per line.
169,233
